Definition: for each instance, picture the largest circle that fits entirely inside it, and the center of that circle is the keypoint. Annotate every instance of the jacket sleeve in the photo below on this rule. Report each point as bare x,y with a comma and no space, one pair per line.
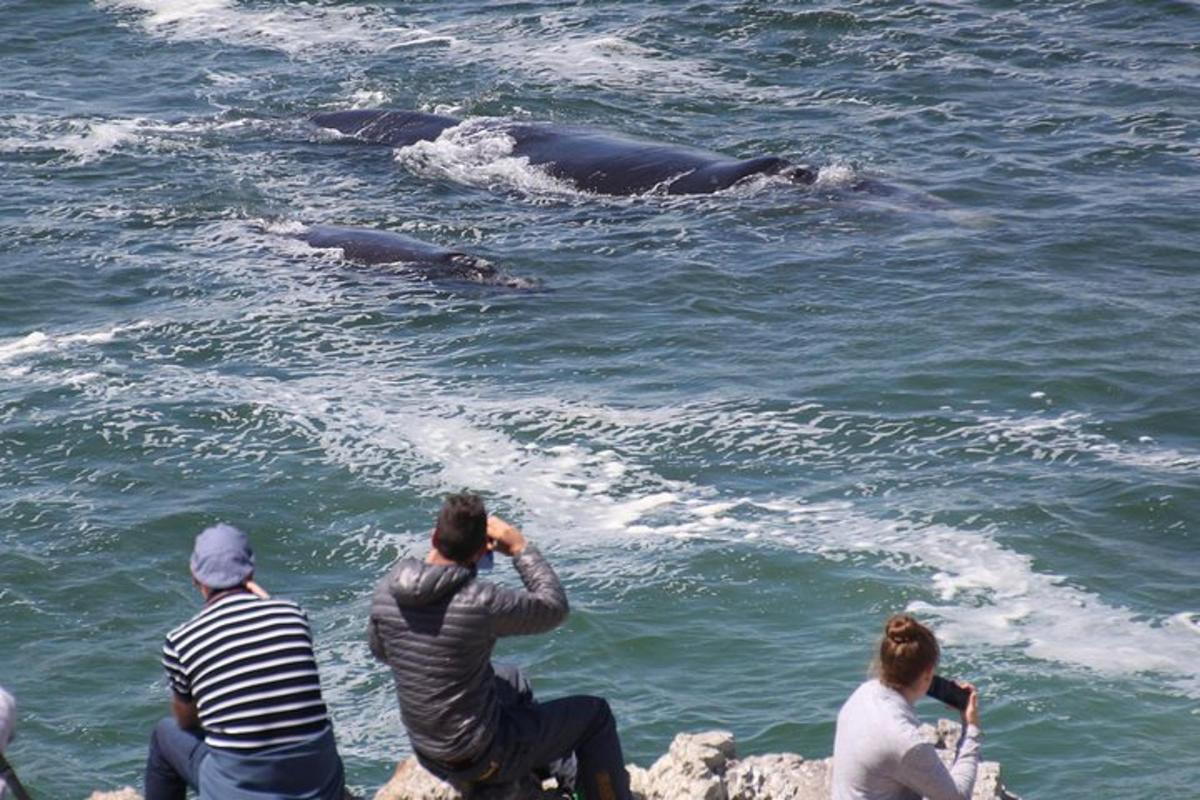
922,770
375,641
542,606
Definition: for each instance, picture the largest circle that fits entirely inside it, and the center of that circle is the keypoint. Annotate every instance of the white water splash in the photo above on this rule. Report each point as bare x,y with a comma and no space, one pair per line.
399,430
38,342
1064,436
476,153
557,51
411,432
295,29
85,140
836,176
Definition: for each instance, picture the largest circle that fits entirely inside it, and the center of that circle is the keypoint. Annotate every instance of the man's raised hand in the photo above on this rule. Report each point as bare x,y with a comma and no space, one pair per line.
504,538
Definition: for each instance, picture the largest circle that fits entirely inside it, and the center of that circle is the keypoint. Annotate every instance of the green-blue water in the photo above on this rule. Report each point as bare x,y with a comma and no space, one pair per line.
746,427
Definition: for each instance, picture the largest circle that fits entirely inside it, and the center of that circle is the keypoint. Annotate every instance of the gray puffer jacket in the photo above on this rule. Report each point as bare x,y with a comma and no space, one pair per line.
435,626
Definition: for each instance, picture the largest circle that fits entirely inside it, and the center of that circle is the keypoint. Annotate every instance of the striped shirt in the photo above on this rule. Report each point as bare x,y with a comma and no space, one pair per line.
248,665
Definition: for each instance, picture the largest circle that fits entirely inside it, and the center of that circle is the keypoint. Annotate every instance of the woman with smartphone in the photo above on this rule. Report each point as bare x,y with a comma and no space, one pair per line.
878,752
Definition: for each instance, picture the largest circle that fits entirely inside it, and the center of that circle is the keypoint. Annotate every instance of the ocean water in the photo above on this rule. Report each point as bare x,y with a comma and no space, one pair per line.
745,427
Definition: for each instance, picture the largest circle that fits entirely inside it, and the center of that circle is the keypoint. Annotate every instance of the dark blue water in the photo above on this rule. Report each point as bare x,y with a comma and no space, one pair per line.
746,427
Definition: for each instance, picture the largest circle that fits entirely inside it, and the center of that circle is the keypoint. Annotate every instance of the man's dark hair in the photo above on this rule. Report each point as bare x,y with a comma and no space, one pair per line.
461,527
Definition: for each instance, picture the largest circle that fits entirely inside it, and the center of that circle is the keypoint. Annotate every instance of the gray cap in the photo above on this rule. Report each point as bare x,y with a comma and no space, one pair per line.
8,718
222,557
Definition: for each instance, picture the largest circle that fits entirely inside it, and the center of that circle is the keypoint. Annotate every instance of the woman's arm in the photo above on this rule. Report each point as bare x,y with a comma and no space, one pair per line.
922,771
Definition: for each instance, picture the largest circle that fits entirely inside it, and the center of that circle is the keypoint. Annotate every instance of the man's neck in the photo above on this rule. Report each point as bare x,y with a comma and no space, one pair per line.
215,596
440,560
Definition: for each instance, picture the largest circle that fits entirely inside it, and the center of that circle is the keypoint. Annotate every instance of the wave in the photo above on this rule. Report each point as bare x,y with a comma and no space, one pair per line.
553,52
85,140
553,463
610,60
37,342
296,30
810,435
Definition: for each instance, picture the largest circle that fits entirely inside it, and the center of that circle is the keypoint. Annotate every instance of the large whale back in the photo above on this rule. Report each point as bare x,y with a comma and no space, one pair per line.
395,128
610,164
596,162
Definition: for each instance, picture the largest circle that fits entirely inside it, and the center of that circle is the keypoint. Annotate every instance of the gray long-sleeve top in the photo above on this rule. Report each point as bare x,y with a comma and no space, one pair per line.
435,626
879,754
8,721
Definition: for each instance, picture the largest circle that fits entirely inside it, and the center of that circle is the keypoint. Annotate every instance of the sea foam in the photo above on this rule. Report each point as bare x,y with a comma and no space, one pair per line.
293,29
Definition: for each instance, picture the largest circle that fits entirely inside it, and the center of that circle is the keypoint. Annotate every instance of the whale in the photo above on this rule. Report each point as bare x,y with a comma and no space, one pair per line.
592,161
371,246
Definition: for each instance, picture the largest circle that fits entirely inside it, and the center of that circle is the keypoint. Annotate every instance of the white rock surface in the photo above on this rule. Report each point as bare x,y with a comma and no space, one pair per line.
705,767
694,766
780,776
410,781
697,766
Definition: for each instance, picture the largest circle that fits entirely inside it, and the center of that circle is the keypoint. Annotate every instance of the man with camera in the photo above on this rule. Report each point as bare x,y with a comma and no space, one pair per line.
435,623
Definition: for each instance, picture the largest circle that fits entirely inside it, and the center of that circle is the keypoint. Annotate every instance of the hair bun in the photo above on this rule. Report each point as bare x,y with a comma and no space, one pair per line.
907,649
902,629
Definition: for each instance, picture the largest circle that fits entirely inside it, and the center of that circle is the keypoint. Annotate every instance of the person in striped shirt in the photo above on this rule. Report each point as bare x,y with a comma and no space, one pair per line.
248,721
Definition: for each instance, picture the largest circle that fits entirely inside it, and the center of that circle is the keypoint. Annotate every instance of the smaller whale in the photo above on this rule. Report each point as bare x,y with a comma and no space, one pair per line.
370,246
602,163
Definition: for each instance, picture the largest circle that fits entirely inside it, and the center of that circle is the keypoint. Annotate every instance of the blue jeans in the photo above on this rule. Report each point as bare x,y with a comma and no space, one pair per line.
533,735
306,770
174,761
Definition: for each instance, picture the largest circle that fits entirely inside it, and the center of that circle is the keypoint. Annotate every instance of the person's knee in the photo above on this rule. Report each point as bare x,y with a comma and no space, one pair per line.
600,711
163,730
602,707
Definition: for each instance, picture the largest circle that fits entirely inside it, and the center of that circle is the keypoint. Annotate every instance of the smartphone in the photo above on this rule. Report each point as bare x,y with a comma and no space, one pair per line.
949,693
486,563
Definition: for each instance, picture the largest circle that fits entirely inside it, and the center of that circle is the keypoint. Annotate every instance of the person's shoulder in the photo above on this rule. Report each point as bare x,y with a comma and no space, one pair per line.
885,707
481,595
181,630
280,603
395,573
231,609
867,692
860,700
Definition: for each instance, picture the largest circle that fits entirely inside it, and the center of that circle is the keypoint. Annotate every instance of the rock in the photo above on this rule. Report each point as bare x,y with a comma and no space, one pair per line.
701,753
697,766
128,793
693,768
987,784
987,780
784,776
704,766
411,781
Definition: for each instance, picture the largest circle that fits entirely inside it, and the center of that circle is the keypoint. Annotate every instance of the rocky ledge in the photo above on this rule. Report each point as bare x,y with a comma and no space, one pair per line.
698,766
